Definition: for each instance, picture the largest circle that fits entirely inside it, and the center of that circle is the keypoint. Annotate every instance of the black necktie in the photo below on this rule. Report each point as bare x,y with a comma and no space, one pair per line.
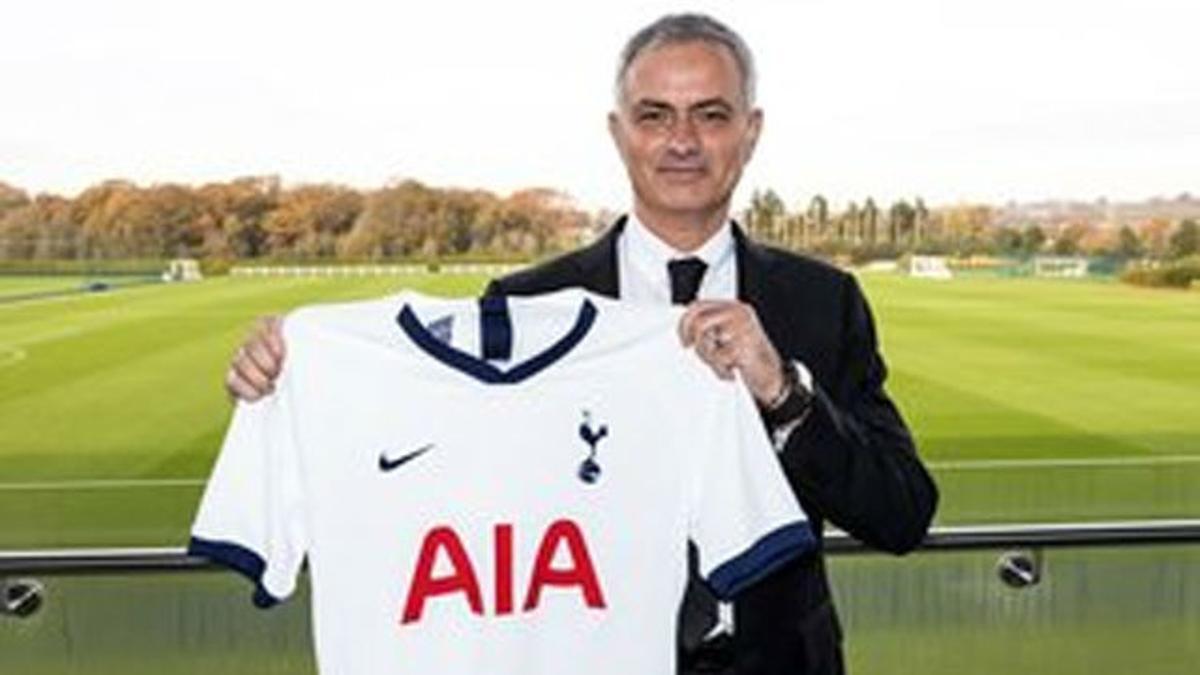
686,274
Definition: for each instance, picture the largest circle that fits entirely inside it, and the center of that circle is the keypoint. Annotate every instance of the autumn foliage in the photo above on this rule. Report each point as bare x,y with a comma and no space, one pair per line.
258,217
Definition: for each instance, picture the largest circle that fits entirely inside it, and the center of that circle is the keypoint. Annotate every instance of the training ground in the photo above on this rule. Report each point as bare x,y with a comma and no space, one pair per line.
1032,401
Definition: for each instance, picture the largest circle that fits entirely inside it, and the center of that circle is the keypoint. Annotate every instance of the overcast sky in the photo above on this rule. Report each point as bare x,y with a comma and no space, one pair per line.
954,100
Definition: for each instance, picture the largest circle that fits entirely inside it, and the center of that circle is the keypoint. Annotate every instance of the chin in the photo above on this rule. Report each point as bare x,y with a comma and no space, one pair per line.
683,199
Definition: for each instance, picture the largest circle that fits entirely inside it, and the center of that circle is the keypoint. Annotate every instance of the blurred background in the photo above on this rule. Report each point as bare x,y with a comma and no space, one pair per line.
1015,185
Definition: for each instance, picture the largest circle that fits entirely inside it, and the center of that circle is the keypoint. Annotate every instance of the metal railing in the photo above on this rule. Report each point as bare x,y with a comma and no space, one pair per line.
1019,565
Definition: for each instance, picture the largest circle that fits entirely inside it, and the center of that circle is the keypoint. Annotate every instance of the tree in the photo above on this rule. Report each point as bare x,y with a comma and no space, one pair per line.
920,221
870,221
1032,240
395,221
901,223
1068,240
1184,241
818,219
767,212
850,224
1153,233
11,198
1008,241
1128,243
43,228
309,220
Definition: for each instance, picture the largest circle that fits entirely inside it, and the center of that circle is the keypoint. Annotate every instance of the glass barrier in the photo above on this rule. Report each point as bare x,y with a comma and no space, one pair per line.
176,623
1091,611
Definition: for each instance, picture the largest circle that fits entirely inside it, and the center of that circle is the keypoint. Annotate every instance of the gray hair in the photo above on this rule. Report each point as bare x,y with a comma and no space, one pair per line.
679,28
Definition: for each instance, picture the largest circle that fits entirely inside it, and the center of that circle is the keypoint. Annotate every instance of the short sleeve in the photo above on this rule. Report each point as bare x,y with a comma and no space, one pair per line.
745,520
251,518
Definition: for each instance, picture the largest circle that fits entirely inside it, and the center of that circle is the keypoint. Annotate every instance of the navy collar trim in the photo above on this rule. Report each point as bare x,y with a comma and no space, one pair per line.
480,368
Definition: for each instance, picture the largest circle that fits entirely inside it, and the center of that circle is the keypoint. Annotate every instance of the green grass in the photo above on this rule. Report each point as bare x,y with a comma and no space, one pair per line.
127,386
21,286
1028,369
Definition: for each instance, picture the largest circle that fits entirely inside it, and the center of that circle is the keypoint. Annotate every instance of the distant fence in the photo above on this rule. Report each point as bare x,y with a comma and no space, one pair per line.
491,269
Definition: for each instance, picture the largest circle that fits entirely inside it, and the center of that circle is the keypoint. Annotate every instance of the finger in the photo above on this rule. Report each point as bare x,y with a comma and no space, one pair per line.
250,375
694,320
238,388
273,336
721,370
687,329
715,326
260,357
727,357
721,358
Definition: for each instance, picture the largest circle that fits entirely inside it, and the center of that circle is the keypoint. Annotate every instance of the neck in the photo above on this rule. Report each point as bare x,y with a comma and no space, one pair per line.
684,232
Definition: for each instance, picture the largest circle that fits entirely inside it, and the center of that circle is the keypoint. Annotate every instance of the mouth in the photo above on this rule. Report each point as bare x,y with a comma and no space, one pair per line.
682,173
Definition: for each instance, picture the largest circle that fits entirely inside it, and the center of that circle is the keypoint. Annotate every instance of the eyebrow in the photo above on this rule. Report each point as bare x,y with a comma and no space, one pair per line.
654,104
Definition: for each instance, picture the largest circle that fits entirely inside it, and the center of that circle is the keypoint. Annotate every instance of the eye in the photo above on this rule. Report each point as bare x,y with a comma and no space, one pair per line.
651,116
714,115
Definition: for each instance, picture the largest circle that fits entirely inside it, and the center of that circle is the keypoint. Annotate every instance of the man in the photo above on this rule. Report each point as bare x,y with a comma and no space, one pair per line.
798,333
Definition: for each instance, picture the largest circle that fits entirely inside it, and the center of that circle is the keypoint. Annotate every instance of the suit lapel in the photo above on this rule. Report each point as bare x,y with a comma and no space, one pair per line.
597,263
753,269
755,278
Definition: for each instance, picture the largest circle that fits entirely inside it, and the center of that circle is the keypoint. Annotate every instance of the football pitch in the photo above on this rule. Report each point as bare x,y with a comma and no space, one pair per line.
1032,400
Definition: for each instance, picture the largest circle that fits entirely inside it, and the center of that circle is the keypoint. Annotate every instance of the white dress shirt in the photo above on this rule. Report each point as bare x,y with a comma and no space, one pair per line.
642,259
642,265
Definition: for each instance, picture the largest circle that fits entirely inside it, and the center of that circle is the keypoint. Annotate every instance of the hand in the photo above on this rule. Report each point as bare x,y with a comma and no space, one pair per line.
258,361
727,336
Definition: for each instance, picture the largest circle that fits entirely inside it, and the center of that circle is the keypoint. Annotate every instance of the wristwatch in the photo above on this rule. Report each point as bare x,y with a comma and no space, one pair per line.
791,408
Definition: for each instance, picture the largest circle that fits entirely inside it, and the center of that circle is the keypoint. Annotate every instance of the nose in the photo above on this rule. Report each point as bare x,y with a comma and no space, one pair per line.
683,141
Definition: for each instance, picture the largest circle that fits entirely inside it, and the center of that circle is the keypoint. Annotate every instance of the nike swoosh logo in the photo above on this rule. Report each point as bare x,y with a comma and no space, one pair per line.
386,464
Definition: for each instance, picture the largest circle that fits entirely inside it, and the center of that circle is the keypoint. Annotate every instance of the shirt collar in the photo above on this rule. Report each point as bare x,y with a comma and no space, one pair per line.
654,253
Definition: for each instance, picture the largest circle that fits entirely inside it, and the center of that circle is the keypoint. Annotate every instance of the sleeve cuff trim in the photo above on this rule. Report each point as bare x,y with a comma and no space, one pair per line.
765,556
239,559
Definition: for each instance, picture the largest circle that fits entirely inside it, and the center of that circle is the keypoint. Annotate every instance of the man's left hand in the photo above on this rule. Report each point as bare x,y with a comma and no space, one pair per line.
727,336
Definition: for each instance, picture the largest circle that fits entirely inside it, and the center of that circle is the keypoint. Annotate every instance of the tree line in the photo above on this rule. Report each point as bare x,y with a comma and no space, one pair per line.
866,231
258,217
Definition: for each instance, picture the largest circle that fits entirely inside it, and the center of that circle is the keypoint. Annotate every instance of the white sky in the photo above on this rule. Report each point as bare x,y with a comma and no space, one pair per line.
951,100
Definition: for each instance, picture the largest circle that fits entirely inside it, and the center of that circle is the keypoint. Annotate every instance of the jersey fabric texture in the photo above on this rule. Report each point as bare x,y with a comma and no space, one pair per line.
496,485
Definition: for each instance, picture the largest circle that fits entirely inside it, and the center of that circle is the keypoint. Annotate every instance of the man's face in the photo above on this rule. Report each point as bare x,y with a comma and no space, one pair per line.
683,128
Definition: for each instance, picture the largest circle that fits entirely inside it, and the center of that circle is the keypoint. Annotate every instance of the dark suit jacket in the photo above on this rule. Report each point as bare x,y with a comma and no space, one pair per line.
852,462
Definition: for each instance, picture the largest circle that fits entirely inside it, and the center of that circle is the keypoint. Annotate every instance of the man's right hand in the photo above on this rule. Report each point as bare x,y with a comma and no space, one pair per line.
257,362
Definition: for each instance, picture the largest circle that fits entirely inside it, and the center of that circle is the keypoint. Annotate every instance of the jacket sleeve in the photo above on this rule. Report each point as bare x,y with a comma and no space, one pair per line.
853,460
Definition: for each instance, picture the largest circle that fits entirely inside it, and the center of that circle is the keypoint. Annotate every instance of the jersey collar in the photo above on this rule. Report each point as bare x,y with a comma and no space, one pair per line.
496,327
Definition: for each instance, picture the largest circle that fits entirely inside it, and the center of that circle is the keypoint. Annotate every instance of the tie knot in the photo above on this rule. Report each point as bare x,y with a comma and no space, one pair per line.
686,274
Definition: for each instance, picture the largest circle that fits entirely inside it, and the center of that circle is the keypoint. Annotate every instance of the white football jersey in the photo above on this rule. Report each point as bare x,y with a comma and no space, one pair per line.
497,485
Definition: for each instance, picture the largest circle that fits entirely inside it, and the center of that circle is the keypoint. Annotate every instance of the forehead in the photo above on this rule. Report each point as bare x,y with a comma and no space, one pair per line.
683,73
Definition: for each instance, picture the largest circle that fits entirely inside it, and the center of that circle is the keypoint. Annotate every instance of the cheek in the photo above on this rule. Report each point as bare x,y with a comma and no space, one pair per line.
727,162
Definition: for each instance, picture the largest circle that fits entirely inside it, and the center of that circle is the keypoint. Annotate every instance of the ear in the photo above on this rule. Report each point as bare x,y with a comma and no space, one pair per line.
753,130
615,132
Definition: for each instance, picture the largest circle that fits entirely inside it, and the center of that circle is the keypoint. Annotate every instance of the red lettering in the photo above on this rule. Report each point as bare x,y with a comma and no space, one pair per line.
504,569
424,585
581,573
